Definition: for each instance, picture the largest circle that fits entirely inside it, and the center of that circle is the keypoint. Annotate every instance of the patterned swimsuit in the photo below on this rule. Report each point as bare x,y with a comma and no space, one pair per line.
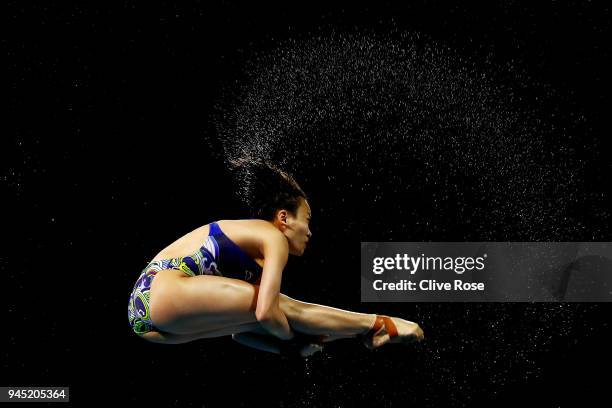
218,256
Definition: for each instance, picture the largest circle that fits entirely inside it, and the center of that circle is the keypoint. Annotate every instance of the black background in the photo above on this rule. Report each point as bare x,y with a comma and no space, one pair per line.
112,156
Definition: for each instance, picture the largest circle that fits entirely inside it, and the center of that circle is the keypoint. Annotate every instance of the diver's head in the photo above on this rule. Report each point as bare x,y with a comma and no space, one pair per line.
274,195
293,221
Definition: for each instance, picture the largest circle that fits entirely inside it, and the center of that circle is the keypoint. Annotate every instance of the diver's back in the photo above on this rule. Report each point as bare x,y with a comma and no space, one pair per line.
242,232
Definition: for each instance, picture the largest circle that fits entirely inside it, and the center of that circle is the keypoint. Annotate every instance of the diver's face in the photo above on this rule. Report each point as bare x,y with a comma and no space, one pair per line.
298,231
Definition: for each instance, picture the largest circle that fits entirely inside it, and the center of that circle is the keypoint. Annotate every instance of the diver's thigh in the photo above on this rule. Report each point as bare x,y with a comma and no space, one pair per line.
201,303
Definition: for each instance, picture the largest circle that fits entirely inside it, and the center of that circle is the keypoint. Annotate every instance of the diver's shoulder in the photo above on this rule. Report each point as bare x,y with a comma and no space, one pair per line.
257,233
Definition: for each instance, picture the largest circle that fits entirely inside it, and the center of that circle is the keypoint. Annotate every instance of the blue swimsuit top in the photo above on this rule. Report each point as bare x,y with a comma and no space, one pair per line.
218,256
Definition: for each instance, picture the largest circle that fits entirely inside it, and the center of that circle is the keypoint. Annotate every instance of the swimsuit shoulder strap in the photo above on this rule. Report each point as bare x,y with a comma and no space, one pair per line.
214,229
233,249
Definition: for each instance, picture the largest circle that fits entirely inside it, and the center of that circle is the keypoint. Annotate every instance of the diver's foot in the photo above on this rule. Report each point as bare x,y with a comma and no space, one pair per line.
392,330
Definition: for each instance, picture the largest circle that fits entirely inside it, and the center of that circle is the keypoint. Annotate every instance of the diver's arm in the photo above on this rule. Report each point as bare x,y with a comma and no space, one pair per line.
258,341
299,346
275,249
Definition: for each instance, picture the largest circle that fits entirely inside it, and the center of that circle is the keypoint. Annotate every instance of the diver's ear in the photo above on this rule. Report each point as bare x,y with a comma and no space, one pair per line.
282,217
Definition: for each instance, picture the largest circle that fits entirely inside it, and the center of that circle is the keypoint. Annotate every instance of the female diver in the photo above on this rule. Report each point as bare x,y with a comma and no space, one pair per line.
224,278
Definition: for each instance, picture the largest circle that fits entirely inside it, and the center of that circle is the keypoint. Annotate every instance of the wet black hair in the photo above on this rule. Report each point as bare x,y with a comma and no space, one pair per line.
265,188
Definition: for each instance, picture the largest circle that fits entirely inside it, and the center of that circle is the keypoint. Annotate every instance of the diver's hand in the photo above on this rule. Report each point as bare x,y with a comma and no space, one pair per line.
310,349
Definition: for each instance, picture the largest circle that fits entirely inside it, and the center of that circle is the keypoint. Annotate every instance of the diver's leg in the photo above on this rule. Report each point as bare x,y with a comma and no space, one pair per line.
251,334
212,306
201,304
188,305
312,318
